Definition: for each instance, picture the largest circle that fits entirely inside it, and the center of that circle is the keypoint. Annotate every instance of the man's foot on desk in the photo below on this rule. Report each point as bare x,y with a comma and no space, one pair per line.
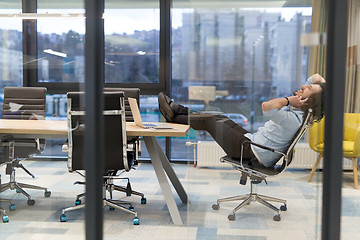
164,107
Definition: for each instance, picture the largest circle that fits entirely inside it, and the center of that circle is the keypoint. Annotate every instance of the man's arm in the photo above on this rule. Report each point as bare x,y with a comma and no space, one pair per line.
277,103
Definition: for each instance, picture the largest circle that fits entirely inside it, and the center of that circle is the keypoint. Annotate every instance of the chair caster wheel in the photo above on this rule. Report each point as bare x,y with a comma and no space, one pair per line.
12,207
131,208
283,207
30,202
5,218
47,194
215,206
136,221
111,208
231,217
143,200
77,202
62,218
277,218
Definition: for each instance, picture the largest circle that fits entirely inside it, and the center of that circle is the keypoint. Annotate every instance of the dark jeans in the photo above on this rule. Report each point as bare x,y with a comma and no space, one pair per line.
225,132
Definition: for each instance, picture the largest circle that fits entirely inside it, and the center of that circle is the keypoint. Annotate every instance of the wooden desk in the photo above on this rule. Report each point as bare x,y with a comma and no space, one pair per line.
34,128
58,129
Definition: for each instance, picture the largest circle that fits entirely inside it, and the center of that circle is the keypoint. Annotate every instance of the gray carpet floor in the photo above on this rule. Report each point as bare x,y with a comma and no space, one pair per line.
301,221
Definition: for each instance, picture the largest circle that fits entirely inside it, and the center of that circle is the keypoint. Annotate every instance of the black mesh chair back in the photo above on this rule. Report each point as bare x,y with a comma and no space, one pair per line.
133,142
114,132
24,103
128,92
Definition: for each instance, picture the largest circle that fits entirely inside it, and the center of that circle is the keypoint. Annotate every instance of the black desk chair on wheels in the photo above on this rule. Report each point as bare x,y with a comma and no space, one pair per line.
4,217
116,157
133,144
22,103
258,173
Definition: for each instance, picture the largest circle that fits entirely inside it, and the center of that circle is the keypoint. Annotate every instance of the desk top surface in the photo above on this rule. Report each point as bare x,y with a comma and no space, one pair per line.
59,128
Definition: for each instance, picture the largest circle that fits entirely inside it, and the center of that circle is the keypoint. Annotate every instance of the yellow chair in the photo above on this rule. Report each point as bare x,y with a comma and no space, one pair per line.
351,142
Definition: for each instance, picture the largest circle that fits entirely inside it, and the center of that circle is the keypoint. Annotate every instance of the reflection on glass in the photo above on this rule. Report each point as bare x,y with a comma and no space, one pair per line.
11,60
132,45
61,49
247,55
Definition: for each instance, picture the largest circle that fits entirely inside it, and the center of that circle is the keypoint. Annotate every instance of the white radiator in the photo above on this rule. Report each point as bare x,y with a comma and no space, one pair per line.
209,154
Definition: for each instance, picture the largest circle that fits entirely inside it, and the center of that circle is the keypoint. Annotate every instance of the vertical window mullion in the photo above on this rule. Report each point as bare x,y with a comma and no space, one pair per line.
29,44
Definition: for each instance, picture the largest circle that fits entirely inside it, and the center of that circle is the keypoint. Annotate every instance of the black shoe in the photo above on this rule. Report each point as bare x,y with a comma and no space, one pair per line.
165,108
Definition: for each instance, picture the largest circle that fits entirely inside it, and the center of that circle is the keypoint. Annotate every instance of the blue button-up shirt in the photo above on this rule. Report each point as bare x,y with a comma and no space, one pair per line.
277,132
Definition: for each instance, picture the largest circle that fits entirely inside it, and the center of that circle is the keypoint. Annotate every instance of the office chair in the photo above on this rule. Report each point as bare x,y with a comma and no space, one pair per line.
351,142
115,148
22,103
4,217
258,173
133,142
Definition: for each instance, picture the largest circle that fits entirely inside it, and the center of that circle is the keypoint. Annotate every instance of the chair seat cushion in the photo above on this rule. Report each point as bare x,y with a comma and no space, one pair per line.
253,164
348,148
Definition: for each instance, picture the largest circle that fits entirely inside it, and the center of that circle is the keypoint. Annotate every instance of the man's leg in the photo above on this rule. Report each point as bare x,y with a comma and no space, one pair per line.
225,132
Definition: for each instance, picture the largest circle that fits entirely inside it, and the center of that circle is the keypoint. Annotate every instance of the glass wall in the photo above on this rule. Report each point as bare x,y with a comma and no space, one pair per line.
11,45
228,60
226,57
132,43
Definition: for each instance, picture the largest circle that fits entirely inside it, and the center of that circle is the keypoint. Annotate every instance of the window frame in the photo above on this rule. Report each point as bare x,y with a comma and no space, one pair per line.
30,74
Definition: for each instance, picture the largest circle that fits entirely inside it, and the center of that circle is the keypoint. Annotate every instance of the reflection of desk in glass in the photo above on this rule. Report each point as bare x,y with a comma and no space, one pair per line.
58,130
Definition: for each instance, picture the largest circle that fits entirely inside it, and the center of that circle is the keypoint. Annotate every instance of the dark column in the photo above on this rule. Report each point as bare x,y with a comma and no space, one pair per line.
334,108
94,80
29,33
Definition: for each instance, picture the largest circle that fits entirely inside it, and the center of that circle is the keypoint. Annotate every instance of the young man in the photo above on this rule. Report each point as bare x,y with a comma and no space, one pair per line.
285,114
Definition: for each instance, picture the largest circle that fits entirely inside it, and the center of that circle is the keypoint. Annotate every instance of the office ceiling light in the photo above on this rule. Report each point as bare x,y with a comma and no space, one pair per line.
42,15
59,54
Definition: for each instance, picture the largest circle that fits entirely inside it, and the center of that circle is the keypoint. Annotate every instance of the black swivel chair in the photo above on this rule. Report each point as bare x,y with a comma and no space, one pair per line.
133,144
22,103
258,173
133,141
115,147
4,217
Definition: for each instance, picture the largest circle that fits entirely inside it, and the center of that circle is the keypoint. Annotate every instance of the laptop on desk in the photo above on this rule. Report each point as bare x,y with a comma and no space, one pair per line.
137,117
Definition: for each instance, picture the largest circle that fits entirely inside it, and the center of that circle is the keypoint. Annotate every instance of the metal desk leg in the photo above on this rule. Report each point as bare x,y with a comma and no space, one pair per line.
171,174
151,143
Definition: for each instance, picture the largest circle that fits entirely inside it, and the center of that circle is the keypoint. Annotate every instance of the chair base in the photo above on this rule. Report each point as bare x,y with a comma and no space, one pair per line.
112,204
253,197
19,187
109,202
113,187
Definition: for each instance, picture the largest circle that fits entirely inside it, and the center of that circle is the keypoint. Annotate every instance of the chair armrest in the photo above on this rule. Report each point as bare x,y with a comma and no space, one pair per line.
263,147
260,146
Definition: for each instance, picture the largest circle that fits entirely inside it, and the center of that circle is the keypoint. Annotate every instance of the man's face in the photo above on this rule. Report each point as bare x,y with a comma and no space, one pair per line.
307,90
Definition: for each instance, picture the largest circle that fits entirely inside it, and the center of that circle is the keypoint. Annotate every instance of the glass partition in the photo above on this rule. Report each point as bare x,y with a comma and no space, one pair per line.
226,58
11,45
132,43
